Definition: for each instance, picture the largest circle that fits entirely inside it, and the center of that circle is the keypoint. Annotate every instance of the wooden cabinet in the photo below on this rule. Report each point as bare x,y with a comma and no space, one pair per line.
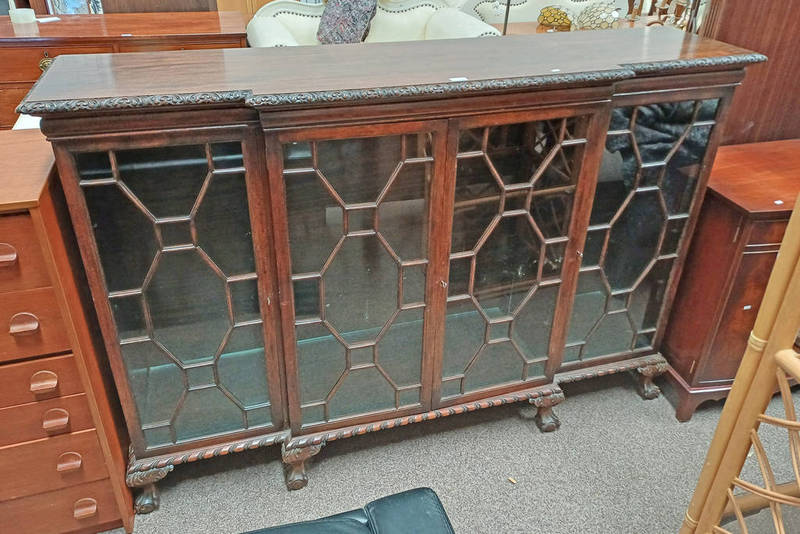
62,460
26,52
751,192
302,255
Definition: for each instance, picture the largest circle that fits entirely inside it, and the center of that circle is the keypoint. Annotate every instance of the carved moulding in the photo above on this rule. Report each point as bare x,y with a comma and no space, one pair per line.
541,393
145,473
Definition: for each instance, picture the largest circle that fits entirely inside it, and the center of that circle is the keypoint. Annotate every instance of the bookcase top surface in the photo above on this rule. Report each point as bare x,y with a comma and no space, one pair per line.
325,75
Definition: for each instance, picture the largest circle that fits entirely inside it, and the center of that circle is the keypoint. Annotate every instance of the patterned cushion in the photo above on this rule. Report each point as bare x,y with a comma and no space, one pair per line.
345,21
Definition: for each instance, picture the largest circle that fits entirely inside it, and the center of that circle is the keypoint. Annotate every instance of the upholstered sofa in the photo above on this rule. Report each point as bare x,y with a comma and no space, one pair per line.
292,23
417,511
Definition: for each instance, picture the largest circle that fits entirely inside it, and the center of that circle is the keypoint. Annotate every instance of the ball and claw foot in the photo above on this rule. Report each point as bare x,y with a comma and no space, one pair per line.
644,380
647,389
546,420
148,500
295,465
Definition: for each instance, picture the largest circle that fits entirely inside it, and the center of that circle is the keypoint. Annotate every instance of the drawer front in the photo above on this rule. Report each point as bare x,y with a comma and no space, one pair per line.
22,264
73,509
10,97
38,380
767,232
31,324
160,47
44,419
51,464
23,64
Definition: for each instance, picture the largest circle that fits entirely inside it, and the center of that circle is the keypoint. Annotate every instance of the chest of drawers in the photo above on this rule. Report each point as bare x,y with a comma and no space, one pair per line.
751,193
27,50
61,461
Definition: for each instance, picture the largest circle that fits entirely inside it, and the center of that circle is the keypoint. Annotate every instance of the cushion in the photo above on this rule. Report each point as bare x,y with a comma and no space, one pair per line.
267,31
303,27
345,21
450,23
404,22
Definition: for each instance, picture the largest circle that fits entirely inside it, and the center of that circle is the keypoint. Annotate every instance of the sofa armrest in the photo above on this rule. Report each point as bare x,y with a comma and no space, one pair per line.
264,32
418,510
450,23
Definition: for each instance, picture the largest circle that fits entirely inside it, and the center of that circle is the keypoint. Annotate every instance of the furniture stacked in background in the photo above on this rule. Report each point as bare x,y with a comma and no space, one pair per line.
766,107
62,462
418,510
27,50
291,23
752,190
293,254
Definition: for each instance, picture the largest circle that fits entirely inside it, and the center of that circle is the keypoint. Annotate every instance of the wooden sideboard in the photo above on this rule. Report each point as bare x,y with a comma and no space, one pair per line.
62,461
347,239
27,50
752,190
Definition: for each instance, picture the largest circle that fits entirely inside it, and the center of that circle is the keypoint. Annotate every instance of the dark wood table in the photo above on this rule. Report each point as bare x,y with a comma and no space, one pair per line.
26,50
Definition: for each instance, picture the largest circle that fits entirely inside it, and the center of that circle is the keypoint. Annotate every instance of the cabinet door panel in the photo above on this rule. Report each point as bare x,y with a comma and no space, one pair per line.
738,318
514,193
645,190
180,276
357,210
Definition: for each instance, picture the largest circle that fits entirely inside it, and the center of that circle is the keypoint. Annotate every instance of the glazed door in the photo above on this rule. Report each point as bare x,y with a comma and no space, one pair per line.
168,239
354,267
518,179
654,158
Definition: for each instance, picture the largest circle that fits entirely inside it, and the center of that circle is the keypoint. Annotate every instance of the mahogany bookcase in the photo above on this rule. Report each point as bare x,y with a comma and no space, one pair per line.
304,244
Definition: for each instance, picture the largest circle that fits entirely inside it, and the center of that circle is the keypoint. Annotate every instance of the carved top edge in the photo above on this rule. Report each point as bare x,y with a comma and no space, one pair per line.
738,60
145,101
456,88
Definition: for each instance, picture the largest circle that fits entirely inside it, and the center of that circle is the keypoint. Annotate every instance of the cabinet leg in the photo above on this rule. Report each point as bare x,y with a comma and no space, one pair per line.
644,380
295,465
545,419
148,498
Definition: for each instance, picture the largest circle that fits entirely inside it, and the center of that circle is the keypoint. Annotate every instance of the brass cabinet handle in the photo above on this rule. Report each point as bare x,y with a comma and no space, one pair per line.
8,255
85,508
44,382
45,62
69,461
22,324
55,420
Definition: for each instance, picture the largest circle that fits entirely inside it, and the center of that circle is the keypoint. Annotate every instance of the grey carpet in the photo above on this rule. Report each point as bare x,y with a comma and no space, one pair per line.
617,465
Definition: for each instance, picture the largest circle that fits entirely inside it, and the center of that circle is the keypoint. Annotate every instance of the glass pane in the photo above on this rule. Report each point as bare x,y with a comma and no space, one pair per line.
171,232
222,232
514,189
146,170
188,306
155,379
359,288
646,187
125,237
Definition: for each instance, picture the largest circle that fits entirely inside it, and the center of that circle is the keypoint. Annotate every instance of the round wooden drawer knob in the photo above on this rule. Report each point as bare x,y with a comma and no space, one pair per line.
55,420
23,324
8,255
44,382
69,461
85,508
